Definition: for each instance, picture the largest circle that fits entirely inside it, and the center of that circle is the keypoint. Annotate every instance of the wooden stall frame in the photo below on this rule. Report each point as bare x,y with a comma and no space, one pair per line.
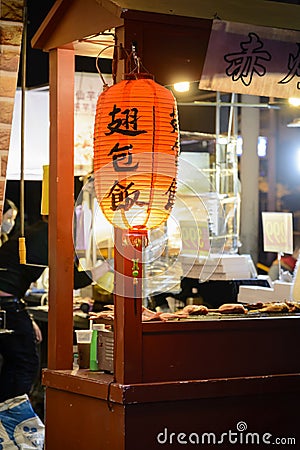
153,380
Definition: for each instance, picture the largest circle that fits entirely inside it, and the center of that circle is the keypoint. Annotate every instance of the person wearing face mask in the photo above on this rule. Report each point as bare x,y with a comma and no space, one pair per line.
10,212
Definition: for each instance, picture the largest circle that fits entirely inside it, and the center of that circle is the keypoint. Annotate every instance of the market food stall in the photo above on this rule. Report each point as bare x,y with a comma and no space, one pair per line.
174,382
191,377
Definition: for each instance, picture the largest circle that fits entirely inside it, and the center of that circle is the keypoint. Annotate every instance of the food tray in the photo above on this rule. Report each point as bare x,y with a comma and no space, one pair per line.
249,315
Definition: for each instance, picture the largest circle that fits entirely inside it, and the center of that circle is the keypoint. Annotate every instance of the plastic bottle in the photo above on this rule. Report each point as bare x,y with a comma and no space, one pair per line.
94,346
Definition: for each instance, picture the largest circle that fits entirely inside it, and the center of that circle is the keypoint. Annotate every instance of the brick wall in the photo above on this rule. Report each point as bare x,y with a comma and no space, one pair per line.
11,28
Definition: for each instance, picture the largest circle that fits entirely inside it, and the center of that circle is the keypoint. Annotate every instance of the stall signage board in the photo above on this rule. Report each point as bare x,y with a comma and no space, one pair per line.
256,60
277,232
195,238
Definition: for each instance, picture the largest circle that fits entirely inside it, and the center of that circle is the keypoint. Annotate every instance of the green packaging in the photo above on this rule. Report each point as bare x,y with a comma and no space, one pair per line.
94,347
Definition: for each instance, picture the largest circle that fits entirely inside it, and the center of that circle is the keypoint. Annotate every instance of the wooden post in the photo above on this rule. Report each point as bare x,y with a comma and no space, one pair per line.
128,305
61,205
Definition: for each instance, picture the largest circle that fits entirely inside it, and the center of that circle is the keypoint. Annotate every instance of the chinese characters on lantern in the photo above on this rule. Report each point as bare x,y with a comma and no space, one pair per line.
121,154
136,146
172,188
171,195
122,198
126,123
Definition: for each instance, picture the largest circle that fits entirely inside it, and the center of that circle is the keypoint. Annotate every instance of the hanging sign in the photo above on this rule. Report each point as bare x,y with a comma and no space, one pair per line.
256,60
277,232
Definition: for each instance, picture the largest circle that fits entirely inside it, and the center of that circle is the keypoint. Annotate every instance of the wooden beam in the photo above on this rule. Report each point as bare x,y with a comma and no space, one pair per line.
72,20
61,204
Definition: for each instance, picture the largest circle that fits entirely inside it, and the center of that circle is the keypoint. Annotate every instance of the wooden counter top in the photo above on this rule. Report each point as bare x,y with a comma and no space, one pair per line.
102,386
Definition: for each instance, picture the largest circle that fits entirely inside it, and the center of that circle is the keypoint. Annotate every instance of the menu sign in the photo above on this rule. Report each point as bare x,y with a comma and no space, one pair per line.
195,238
277,232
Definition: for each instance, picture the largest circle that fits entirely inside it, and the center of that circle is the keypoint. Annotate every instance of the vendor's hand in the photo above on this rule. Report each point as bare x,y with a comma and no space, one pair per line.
93,315
37,332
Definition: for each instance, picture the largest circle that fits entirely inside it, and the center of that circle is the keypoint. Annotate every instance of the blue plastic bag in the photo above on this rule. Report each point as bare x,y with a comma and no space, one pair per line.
20,427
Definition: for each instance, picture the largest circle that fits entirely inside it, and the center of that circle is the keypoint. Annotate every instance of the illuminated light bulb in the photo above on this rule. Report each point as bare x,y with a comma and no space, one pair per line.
183,86
294,124
293,101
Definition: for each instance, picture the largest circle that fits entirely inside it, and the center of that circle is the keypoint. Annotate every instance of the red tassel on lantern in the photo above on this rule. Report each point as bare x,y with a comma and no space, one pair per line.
136,145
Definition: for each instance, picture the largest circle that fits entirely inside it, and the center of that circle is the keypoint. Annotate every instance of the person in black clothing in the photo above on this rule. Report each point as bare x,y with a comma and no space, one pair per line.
19,350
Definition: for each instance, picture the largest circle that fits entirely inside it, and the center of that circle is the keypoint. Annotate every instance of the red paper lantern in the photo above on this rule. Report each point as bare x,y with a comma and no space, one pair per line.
136,144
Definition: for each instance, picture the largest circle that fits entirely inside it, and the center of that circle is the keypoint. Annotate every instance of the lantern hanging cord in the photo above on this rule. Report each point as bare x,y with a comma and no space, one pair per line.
138,65
136,59
105,84
115,58
132,56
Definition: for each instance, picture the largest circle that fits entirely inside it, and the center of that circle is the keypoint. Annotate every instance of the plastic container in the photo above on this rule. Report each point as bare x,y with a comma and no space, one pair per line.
83,338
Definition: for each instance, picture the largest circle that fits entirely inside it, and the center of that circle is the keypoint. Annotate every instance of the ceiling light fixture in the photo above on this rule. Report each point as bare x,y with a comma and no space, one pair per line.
294,124
183,86
293,101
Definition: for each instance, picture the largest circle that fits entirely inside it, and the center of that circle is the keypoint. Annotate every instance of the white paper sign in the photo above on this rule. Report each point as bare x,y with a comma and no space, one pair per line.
278,232
195,238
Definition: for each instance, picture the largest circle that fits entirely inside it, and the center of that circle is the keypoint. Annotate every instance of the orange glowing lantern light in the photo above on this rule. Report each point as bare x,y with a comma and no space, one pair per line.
136,146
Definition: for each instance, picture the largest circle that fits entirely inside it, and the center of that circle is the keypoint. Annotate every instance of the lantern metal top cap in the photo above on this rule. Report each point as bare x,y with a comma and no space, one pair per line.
138,76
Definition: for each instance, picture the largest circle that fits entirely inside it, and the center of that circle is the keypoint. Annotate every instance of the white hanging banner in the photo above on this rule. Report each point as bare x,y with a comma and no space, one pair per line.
255,60
88,86
278,232
36,146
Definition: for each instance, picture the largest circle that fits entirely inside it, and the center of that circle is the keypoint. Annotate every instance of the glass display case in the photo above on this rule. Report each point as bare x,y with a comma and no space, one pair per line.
209,184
